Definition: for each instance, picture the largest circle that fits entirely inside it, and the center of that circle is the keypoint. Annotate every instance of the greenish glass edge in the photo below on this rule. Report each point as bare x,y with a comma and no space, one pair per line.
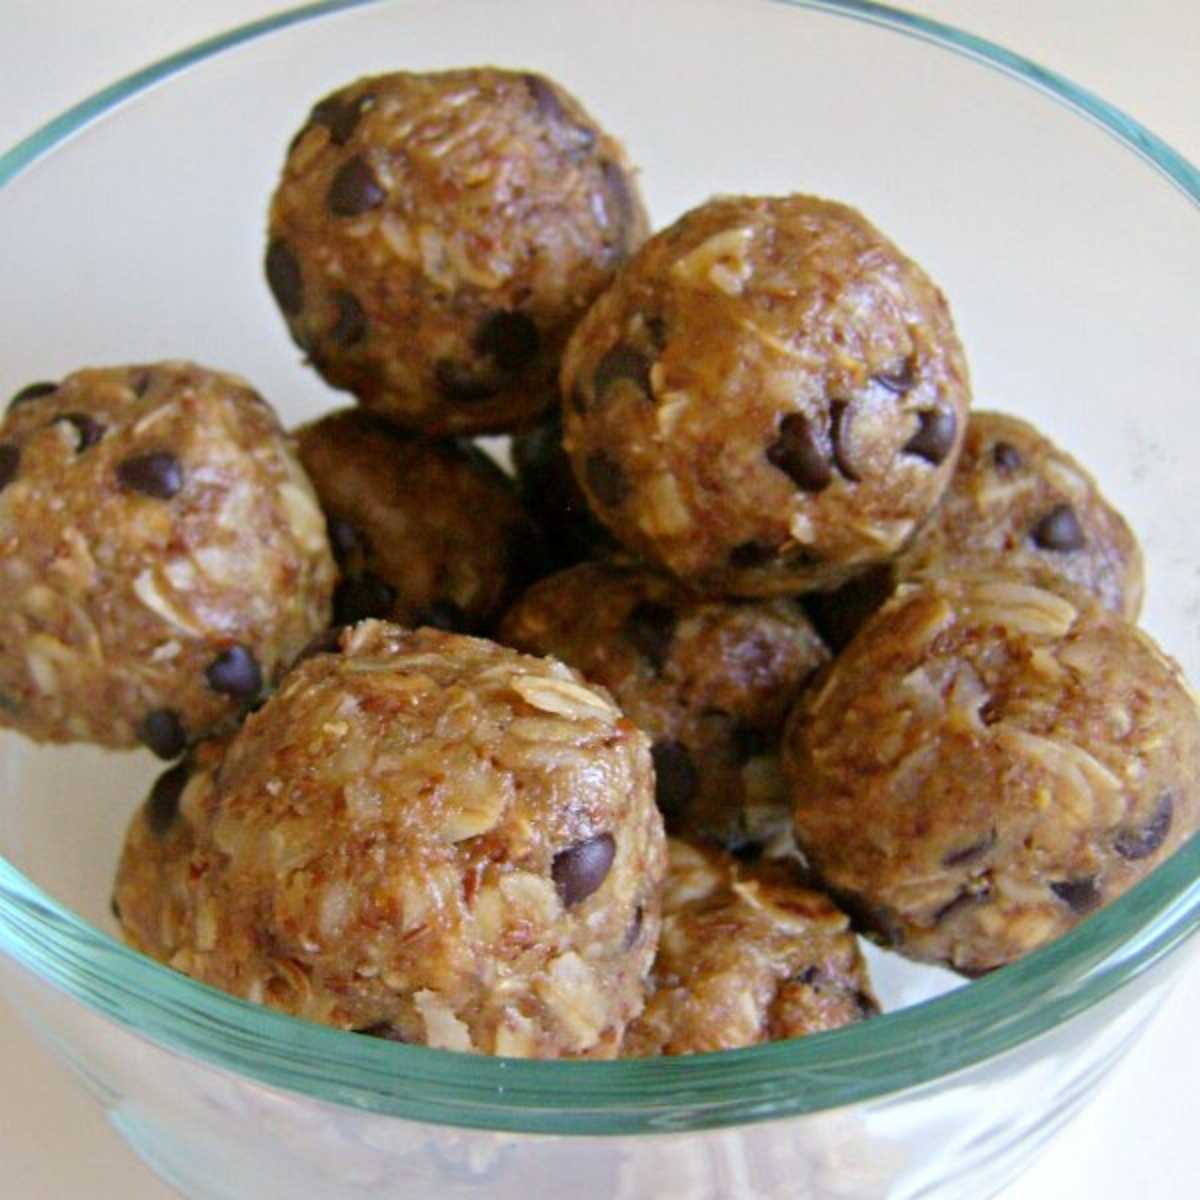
772,1081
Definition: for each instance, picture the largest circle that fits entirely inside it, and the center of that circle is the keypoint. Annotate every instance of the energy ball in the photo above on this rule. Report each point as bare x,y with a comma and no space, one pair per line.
746,955
551,493
709,680
425,533
435,237
768,399
432,838
1016,502
988,762
162,556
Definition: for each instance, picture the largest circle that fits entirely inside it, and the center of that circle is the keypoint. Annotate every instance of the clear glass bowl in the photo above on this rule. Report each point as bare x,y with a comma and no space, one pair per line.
1066,238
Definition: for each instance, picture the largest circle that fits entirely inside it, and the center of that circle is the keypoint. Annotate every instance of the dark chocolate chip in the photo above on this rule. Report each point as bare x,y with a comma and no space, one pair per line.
751,554
801,454
88,431
580,869
31,392
1079,895
934,438
235,672
457,381
635,929
749,851
142,380
444,614
977,849
1059,530
969,897
1006,457
341,117
10,462
162,731
351,325
578,139
344,539
839,433
622,361
385,1031
621,207
328,641
1141,843
510,339
650,628
156,474
362,598
355,189
747,742
899,380
606,479
676,780
162,805
284,277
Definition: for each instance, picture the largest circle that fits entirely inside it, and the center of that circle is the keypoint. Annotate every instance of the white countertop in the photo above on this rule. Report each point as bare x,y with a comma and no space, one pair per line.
1135,1139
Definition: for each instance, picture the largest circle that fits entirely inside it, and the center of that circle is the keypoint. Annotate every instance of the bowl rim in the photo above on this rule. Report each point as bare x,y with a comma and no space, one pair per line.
914,1046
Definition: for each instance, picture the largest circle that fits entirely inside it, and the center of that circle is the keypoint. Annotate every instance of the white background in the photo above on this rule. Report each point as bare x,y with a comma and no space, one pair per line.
1144,57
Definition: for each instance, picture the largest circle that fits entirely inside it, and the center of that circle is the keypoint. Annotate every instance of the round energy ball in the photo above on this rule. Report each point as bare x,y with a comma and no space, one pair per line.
425,533
1016,502
709,680
746,955
768,399
435,237
432,837
987,762
163,556
554,498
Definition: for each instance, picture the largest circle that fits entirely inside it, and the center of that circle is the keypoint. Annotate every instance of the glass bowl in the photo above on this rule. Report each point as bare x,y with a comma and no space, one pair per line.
1066,239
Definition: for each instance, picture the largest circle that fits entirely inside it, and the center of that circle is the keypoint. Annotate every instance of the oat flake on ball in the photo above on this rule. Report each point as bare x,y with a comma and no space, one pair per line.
428,837
769,398
434,238
162,556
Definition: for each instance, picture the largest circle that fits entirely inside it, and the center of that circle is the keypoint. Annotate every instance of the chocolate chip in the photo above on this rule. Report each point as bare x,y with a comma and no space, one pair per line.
362,598
622,361
344,539
355,189
341,117
10,462
899,380
580,869
578,139
31,392
751,554
747,742
1141,843
385,1031
235,672
88,431
161,731
284,277
749,851
621,206
801,454
162,805
975,893
328,641
934,438
444,614
1059,530
651,629
839,434
969,853
635,929
457,381
1006,457
606,479
1079,895
510,339
142,380
156,474
351,324
676,780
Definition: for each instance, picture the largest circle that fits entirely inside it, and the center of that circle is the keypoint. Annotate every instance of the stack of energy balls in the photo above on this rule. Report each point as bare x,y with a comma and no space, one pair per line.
742,446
